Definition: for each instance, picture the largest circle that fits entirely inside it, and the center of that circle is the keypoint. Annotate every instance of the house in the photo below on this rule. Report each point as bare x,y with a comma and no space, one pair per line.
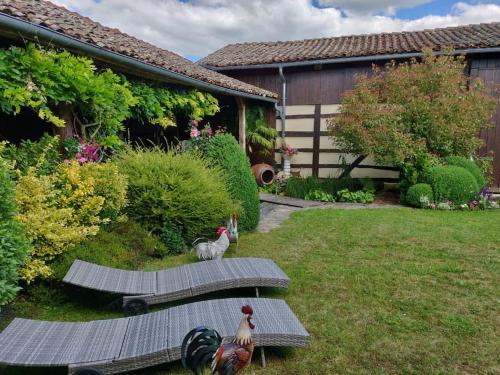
311,76
47,23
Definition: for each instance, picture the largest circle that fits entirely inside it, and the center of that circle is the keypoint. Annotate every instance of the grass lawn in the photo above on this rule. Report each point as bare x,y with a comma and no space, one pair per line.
393,291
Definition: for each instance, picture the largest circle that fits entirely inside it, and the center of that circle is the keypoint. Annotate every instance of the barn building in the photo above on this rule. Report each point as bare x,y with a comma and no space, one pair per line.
311,76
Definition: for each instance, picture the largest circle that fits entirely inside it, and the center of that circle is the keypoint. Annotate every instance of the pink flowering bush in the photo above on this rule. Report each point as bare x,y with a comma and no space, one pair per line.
83,151
199,137
288,150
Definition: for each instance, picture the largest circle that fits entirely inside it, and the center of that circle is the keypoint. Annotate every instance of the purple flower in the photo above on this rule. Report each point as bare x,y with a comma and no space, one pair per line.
194,123
209,131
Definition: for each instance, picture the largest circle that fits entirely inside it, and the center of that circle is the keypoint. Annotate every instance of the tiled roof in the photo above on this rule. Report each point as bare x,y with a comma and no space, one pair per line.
72,24
460,37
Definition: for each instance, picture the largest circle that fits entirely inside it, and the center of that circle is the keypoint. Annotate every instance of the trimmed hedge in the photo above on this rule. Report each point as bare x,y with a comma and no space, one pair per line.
472,167
13,241
299,187
417,191
224,151
181,189
454,183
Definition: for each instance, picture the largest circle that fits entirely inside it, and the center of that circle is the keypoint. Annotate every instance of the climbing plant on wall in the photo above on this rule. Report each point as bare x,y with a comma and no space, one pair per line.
44,79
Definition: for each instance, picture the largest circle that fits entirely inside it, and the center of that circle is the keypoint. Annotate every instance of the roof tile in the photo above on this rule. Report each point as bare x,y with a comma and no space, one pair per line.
258,53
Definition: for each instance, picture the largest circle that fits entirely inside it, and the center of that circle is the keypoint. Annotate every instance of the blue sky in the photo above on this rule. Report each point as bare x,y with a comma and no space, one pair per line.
194,28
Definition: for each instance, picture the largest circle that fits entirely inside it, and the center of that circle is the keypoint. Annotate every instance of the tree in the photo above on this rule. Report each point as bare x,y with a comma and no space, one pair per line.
413,113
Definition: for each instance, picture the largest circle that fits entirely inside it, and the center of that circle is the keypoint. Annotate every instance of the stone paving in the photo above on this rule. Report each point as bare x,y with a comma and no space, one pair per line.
274,209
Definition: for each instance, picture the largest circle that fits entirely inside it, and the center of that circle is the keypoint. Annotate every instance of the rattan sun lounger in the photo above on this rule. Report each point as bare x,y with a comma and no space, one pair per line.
125,344
178,282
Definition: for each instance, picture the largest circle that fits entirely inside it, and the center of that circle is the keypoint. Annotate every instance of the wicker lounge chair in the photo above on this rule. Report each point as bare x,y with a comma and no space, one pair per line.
126,344
141,289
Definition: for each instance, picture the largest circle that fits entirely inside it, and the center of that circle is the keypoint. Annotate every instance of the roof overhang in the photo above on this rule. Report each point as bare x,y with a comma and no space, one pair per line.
346,60
21,29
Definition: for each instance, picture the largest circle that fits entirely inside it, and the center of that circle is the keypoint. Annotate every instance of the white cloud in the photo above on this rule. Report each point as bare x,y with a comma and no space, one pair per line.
388,7
199,27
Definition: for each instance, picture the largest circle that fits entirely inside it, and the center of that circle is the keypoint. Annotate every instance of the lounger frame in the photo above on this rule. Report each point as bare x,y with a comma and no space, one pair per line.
179,282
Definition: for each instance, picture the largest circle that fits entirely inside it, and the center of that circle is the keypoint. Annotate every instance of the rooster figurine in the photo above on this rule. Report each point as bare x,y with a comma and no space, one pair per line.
212,249
203,345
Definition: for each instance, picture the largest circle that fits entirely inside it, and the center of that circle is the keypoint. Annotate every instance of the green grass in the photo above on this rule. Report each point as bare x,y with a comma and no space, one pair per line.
393,291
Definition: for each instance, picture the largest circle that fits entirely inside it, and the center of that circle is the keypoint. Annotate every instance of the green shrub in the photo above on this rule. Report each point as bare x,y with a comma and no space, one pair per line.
119,245
110,184
224,151
454,183
472,167
13,242
359,196
42,155
58,211
176,188
319,195
172,239
415,194
298,187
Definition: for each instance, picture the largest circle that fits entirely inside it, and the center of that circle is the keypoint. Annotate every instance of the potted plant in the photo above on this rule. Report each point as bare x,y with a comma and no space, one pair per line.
287,151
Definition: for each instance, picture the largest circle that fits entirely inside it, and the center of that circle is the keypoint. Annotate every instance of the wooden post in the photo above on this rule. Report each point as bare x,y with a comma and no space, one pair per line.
242,122
64,112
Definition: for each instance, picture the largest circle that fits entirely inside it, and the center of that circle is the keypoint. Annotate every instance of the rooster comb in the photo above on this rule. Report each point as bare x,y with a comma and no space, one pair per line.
247,310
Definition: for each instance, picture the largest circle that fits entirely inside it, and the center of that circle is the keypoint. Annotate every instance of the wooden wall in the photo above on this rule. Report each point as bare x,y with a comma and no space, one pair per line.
488,69
308,88
313,96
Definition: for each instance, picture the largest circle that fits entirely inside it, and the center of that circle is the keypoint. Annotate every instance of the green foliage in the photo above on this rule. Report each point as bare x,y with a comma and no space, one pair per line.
45,79
13,242
110,184
62,209
359,196
319,195
43,155
257,131
418,194
452,183
180,189
119,245
472,167
158,105
172,239
413,109
225,152
298,187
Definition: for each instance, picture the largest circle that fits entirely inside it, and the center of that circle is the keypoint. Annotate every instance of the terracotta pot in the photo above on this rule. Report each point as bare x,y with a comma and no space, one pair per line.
264,174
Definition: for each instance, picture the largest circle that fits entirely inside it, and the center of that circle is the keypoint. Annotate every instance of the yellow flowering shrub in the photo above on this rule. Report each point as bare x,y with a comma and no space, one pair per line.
110,184
59,211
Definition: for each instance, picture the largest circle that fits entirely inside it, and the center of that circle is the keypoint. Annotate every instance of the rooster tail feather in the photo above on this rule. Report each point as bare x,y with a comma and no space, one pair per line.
198,348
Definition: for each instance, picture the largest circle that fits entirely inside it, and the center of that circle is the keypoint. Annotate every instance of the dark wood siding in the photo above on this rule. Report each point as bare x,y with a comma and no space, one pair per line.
307,86
488,69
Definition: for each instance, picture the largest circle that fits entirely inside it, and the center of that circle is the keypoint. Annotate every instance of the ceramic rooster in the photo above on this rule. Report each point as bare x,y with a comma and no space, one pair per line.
232,227
203,346
212,249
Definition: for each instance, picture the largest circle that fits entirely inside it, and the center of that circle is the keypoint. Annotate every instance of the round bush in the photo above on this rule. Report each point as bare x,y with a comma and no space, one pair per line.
454,183
472,167
416,192
181,189
225,152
